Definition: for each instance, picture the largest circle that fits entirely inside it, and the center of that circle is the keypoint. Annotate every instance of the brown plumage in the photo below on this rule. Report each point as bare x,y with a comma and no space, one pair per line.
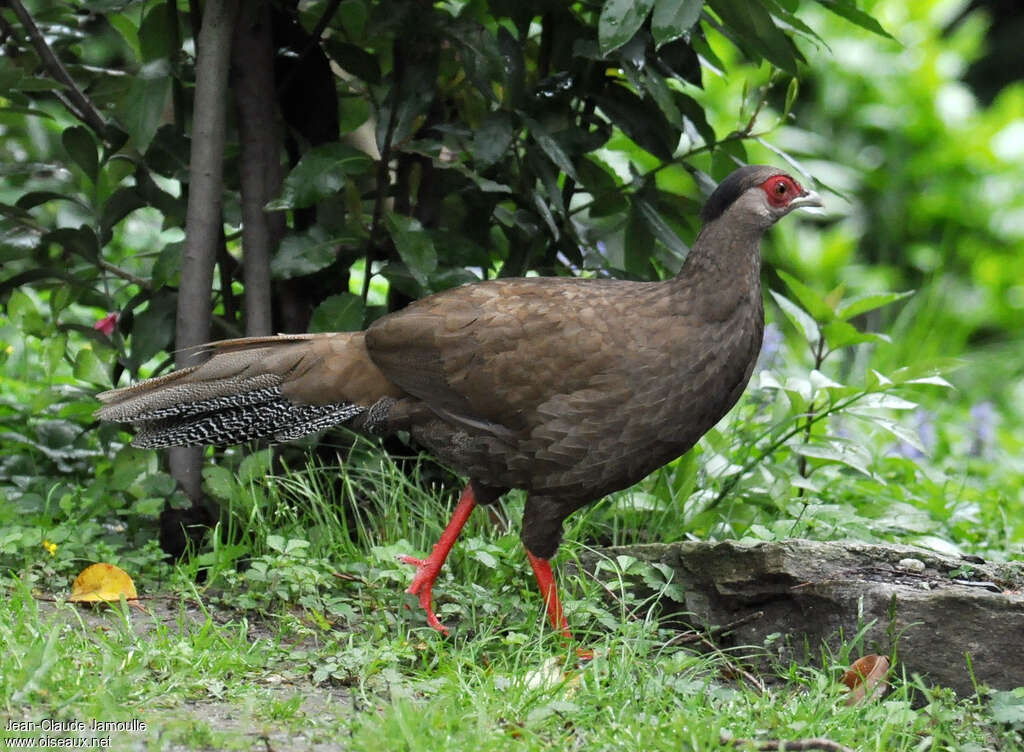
567,388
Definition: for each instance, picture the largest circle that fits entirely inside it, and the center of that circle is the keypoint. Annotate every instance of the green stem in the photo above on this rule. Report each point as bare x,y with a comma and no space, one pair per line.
736,136
730,484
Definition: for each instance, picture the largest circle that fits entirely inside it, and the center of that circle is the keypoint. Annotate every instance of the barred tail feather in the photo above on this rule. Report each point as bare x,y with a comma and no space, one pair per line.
250,389
260,414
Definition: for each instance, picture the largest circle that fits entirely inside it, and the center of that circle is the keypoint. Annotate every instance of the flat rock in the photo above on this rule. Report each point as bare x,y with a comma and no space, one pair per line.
943,617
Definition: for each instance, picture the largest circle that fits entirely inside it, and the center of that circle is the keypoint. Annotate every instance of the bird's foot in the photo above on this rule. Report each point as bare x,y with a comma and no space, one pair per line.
422,586
584,656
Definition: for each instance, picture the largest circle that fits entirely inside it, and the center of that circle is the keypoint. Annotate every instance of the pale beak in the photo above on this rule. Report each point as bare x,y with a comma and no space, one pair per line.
805,199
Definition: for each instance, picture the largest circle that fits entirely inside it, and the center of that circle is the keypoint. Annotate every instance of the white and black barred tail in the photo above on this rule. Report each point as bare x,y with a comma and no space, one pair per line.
276,388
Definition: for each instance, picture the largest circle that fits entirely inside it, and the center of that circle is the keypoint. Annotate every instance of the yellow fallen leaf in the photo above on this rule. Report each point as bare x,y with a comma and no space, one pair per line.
103,583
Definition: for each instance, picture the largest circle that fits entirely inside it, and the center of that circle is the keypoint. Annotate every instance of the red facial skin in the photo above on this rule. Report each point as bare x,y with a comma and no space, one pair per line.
781,189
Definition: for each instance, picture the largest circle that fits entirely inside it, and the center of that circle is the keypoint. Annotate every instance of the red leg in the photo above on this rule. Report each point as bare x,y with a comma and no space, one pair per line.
548,591
428,569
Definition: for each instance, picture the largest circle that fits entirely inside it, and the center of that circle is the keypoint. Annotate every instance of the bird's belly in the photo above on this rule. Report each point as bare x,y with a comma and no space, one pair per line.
591,442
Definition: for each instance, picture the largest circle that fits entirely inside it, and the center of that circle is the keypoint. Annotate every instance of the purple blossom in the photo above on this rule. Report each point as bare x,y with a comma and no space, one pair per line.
770,346
924,424
984,420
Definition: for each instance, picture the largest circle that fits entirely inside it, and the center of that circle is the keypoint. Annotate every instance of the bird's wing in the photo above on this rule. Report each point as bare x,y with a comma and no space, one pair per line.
489,355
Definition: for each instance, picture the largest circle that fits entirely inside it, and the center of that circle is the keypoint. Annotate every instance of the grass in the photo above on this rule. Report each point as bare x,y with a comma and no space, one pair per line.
289,629
299,638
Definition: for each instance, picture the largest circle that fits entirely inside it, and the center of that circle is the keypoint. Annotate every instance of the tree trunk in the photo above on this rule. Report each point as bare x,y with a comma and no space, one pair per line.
260,164
203,218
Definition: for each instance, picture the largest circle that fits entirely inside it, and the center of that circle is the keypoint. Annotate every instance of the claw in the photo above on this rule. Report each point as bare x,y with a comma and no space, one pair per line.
428,569
422,585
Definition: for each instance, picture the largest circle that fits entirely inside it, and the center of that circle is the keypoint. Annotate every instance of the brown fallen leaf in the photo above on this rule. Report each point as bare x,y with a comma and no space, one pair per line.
866,678
104,583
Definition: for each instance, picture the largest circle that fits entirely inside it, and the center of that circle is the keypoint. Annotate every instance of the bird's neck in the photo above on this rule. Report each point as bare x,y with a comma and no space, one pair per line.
723,269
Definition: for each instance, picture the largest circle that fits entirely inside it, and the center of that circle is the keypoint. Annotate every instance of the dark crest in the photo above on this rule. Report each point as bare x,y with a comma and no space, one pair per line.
733,186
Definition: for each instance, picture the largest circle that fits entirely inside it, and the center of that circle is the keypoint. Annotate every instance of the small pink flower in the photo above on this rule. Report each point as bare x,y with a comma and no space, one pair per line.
106,324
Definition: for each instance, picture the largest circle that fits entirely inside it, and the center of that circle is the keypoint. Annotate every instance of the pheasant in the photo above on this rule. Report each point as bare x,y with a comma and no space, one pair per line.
568,388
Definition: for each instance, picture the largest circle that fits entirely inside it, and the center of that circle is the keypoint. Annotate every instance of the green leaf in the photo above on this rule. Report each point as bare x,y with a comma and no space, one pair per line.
754,26
90,368
338,313
1007,707
409,100
480,55
141,109
661,229
54,349
726,157
306,253
864,303
638,242
619,21
493,138
601,184
354,60
80,146
551,147
681,60
640,120
256,466
81,240
882,401
153,330
33,199
673,18
167,267
320,173
657,89
845,453
545,213
514,67
931,381
120,204
128,29
219,483
923,371
792,91
694,112
156,41
60,298
485,558
791,19
414,246
901,432
799,318
20,306
848,9
843,334
548,175
813,303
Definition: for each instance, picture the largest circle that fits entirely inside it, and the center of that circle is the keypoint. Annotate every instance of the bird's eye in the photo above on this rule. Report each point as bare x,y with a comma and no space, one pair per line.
780,190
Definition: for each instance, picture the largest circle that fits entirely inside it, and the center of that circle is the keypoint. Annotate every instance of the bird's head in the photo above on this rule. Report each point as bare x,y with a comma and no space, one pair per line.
757,196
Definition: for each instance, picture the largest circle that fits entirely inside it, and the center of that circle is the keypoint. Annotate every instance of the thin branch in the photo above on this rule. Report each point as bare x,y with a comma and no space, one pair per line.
75,99
819,358
735,136
752,680
383,174
117,271
693,635
749,464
